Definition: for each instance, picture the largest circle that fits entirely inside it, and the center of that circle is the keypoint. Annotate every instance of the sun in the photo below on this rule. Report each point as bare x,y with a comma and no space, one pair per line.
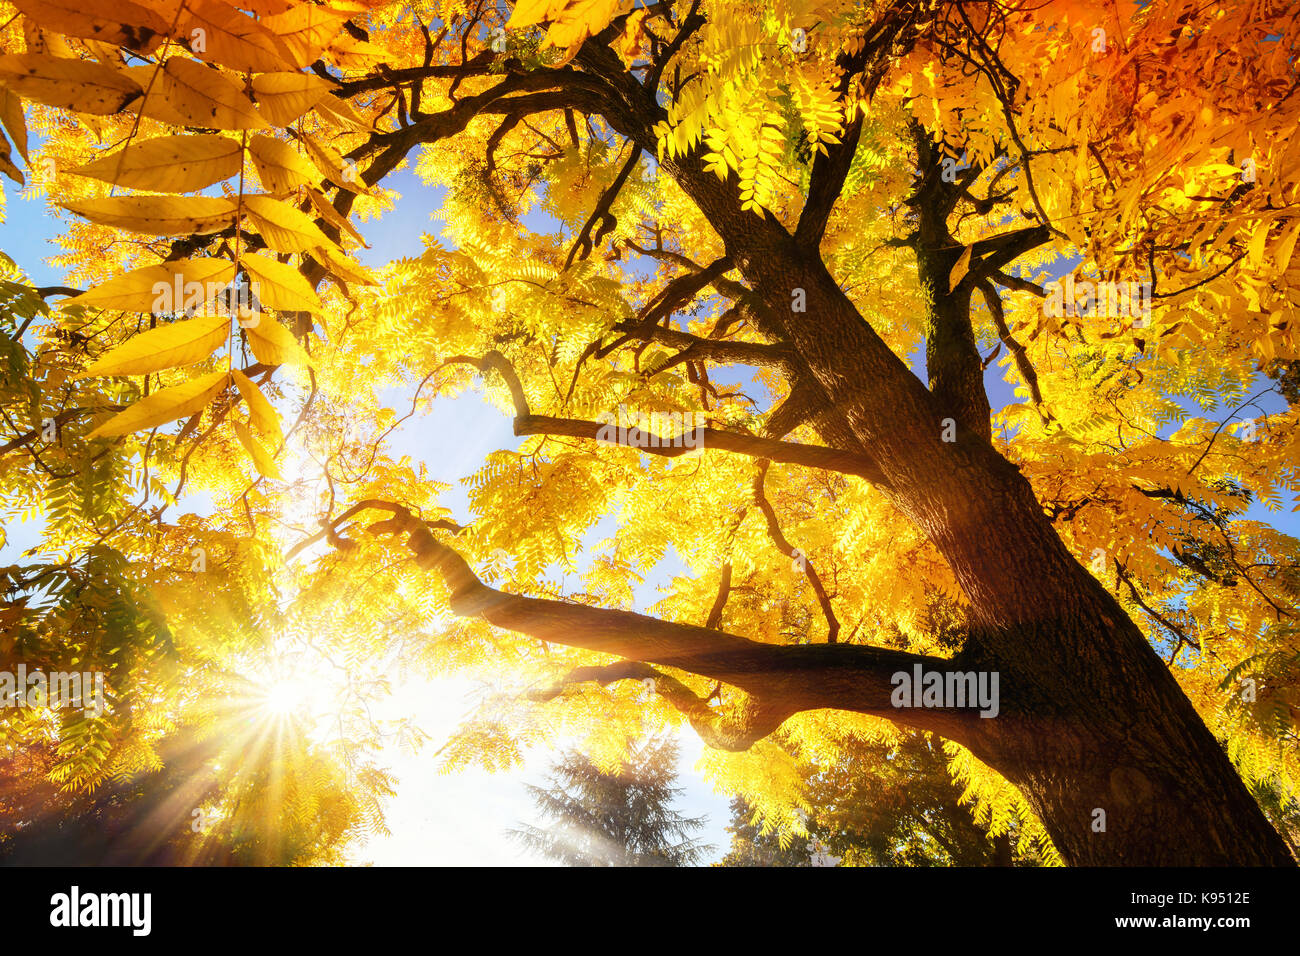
298,693
288,698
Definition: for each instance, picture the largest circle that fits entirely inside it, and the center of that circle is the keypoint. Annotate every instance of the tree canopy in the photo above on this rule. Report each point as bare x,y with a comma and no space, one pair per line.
916,334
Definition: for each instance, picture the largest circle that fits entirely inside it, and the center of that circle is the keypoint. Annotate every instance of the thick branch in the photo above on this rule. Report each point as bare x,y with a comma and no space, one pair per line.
727,287
990,255
735,727
720,602
601,213
1018,284
677,293
826,182
722,351
784,680
832,168
805,402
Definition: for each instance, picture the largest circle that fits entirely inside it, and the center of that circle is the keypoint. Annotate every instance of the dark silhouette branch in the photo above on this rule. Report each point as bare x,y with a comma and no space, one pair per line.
1023,365
709,439
720,602
601,213
790,551
526,423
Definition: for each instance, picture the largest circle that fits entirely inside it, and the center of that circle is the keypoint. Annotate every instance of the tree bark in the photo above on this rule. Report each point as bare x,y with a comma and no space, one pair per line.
1093,719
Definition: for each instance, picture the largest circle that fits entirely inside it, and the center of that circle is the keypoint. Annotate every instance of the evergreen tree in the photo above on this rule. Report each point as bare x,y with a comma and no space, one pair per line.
621,819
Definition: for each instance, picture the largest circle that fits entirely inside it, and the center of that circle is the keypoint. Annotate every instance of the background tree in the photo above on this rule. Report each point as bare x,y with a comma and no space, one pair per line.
187,812
891,802
752,213
895,803
619,818
751,846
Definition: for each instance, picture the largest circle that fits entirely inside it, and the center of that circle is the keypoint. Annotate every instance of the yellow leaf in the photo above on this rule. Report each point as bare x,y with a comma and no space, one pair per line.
960,269
1285,247
341,172
280,286
137,290
263,8
174,164
357,6
347,269
1255,248
306,31
200,95
262,459
283,97
273,344
106,54
580,19
629,44
116,22
332,215
339,112
165,405
155,104
279,165
220,34
80,85
159,215
45,41
353,54
529,12
262,414
284,228
167,9
7,164
11,112
1220,169
167,346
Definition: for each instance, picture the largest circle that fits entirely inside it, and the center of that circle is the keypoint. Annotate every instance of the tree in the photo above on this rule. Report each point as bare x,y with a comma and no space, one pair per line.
651,205
894,803
623,818
891,802
184,813
751,846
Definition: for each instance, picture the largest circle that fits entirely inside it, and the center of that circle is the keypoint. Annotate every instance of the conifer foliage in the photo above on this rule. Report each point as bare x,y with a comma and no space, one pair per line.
620,818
